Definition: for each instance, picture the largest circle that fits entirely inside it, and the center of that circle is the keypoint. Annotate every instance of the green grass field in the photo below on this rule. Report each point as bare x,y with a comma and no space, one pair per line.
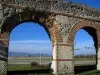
93,72
33,74
19,67
24,67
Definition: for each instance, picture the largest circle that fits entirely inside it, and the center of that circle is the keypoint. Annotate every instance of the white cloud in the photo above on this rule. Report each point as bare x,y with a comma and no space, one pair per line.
35,46
30,41
31,46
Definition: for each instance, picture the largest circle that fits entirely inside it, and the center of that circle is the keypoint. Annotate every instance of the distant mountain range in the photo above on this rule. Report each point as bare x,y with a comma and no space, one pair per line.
25,54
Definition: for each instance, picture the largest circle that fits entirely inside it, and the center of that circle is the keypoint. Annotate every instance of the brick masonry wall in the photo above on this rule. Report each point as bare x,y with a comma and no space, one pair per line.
80,25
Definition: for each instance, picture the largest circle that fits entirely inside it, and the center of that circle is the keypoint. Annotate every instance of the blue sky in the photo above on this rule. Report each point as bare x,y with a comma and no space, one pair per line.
91,3
32,38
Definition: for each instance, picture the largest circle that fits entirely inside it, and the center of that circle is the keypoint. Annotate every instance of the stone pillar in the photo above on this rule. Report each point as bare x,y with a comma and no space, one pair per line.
54,63
98,50
62,63
3,53
98,58
65,55
3,67
3,59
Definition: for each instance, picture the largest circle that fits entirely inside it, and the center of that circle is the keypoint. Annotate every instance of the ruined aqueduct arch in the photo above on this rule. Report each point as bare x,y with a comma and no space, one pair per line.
60,19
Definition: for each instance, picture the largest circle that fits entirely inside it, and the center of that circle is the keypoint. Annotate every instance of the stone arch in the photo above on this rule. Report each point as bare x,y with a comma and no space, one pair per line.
46,20
93,30
87,26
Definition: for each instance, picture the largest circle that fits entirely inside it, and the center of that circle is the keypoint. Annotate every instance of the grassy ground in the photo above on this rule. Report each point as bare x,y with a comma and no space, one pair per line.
19,67
93,72
24,67
32,74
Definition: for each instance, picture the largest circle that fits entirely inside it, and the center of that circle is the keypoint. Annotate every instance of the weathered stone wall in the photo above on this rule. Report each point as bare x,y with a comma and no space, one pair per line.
4,38
65,60
68,27
60,19
3,67
57,7
65,25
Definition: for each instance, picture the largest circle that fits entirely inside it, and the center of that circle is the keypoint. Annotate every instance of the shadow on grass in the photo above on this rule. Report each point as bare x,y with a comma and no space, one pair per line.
79,69
95,73
38,71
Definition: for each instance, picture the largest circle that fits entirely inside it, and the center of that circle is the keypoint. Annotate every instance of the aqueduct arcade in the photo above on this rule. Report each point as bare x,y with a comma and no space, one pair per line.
60,19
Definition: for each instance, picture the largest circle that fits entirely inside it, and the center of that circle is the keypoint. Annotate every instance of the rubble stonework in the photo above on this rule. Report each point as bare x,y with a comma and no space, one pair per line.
61,21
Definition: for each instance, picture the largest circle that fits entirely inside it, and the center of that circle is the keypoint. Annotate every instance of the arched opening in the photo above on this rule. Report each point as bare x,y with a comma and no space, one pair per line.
47,20
85,49
29,43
